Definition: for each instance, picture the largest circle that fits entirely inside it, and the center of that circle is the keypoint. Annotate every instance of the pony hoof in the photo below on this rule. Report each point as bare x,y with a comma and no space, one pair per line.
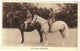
41,41
46,44
22,42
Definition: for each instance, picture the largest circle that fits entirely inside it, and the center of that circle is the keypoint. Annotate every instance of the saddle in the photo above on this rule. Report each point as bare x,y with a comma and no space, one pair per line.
28,24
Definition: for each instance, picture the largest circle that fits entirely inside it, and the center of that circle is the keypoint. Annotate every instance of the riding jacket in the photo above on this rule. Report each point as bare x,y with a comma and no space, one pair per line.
29,18
51,17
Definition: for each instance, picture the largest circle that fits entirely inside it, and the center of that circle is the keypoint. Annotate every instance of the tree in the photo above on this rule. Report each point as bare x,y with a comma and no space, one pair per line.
68,13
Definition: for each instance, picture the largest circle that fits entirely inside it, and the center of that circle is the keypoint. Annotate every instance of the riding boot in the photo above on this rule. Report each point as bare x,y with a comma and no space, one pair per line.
49,28
25,26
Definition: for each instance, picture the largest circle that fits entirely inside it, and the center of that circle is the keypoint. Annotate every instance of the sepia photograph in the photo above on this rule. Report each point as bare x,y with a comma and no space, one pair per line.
39,24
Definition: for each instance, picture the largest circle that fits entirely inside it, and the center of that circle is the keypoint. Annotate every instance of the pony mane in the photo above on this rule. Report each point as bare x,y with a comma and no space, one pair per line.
42,20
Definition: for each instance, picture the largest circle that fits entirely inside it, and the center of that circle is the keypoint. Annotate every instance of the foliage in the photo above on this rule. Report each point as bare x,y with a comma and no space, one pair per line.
68,13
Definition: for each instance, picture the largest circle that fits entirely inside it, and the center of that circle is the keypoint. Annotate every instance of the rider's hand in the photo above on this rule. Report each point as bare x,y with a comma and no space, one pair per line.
32,23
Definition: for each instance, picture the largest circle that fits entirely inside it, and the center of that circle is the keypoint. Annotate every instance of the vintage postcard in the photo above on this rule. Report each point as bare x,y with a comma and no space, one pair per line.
39,25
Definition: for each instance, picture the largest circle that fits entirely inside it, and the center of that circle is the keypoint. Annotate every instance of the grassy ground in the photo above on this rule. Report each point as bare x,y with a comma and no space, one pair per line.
12,37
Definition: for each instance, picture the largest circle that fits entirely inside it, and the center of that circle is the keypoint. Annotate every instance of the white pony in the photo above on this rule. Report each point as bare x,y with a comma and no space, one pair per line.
56,26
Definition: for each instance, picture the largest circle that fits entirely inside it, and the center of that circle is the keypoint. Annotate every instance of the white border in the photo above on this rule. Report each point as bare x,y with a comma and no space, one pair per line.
50,48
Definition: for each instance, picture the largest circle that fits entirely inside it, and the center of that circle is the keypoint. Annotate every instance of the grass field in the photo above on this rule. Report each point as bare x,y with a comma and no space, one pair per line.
12,37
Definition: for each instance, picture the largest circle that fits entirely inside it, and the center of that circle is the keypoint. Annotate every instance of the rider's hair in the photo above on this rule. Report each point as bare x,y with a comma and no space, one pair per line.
35,12
29,10
51,9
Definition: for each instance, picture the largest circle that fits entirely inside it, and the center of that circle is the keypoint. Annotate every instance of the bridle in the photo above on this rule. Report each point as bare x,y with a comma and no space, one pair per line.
35,19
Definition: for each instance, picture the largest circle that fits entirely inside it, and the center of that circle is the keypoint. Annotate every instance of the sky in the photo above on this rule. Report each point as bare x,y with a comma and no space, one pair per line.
48,5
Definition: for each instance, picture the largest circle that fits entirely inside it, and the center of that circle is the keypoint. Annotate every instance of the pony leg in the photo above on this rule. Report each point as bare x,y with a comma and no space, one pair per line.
65,32
62,33
22,37
62,36
41,36
46,34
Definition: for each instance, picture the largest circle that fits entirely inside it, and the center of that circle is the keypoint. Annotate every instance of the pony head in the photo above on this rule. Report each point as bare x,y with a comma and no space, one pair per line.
39,19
